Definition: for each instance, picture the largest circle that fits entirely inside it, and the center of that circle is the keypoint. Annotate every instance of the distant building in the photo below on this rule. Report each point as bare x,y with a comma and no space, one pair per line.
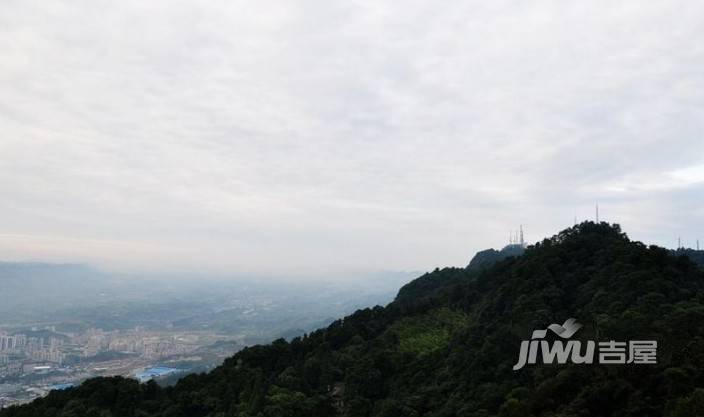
34,367
61,387
15,342
48,355
156,372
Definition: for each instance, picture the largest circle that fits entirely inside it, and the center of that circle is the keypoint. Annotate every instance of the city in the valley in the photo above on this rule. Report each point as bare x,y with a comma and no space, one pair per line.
34,361
63,324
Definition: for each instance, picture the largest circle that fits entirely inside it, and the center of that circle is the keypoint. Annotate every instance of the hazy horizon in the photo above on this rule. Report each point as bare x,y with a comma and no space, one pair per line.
214,274
303,139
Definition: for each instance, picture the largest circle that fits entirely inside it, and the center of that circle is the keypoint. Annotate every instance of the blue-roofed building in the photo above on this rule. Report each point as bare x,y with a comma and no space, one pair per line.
155,372
61,387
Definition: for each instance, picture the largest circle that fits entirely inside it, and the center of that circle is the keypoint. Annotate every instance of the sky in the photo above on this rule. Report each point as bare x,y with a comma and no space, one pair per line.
313,137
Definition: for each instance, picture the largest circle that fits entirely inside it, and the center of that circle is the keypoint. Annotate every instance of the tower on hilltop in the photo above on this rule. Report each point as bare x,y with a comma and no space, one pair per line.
515,238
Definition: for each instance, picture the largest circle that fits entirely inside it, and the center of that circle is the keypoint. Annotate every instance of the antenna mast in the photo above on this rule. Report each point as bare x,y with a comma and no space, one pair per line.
522,242
597,213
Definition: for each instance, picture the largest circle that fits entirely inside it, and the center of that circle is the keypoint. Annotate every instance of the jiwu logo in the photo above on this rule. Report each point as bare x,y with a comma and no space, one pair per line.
561,351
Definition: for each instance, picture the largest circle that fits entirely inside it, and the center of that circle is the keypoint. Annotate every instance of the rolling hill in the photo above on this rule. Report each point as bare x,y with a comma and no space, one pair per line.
448,344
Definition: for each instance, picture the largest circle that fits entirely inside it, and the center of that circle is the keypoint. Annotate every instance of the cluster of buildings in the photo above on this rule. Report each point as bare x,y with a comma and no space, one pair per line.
138,342
32,363
19,349
12,342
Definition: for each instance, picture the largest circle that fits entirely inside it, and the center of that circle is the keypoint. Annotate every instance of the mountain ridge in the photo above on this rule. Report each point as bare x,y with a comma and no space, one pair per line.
446,346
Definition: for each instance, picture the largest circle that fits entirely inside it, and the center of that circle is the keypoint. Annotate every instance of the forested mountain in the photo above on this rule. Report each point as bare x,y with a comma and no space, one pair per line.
447,345
489,257
695,255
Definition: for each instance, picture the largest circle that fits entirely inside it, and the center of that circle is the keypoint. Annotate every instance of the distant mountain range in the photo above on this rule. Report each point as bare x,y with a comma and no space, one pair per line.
38,289
448,344
75,297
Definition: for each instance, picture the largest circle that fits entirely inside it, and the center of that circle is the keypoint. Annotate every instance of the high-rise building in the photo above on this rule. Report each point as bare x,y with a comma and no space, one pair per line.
8,342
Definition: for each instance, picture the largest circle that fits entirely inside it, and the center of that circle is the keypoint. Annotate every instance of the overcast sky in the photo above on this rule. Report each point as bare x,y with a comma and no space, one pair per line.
316,136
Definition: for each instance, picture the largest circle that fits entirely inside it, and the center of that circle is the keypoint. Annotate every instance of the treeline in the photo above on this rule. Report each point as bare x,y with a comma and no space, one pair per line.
447,345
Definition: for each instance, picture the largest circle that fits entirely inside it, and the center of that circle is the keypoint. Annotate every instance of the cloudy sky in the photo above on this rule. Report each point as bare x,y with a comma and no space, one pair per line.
318,136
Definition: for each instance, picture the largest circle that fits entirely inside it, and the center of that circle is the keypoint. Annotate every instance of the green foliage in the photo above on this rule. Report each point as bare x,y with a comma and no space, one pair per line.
429,332
447,345
688,406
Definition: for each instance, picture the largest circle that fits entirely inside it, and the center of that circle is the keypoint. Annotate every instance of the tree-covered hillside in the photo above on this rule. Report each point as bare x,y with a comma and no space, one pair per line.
488,257
693,254
447,345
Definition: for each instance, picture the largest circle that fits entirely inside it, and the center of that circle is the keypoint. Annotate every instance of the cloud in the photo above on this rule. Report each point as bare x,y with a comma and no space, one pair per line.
277,136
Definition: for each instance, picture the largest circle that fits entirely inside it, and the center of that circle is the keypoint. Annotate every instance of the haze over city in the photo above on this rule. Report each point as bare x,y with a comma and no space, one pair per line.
313,137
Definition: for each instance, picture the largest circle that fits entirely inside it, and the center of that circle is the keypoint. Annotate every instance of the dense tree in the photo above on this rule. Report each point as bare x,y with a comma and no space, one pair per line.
447,345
